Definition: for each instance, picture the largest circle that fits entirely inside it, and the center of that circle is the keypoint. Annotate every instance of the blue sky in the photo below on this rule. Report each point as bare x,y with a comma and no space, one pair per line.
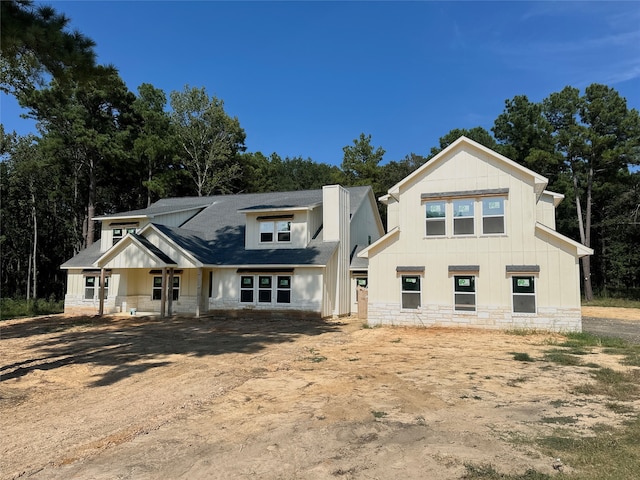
306,78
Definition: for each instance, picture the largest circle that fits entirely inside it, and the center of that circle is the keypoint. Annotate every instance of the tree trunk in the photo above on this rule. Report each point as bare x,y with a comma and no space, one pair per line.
586,261
91,206
35,243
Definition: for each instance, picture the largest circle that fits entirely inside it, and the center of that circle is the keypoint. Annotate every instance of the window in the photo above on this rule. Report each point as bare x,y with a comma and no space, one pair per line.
410,291
463,217
90,290
246,289
524,294
283,294
464,293
266,231
284,231
492,215
118,233
361,282
264,289
156,290
435,218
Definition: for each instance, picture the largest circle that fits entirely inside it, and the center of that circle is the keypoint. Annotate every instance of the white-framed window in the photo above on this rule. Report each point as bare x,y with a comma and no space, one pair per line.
119,233
266,232
283,286
524,294
463,216
464,293
279,231
284,231
265,288
156,289
493,215
91,285
436,222
246,289
411,291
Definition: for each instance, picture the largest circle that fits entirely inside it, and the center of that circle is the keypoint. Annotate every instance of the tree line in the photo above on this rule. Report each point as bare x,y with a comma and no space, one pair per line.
101,149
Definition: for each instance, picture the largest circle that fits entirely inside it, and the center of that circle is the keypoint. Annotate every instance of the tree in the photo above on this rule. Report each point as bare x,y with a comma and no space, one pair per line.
394,171
360,162
477,134
209,139
36,40
598,137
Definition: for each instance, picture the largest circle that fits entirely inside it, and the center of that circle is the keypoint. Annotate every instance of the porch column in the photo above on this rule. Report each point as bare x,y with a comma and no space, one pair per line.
101,292
199,293
170,292
163,291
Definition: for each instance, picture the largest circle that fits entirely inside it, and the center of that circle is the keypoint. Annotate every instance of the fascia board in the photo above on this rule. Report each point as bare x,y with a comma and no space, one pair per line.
539,181
364,253
121,245
280,209
557,197
581,250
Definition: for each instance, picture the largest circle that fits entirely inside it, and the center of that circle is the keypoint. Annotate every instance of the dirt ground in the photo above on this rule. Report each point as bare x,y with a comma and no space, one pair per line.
140,398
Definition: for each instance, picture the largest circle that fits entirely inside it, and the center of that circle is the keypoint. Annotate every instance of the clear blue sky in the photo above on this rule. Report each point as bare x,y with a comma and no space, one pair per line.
306,78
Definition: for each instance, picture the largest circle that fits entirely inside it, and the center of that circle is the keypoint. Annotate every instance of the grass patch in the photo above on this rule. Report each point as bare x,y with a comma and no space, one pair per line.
15,308
619,408
612,302
559,420
522,332
488,472
620,386
515,381
611,454
583,339
562,358
378,414
522,357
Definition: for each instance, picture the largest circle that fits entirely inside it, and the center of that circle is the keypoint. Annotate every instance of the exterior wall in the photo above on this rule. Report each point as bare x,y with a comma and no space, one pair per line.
364,227
306,291
299,231
546,211
556,283
336,221
393,214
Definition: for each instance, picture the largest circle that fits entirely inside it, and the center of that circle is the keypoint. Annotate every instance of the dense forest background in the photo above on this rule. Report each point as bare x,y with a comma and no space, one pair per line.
101,149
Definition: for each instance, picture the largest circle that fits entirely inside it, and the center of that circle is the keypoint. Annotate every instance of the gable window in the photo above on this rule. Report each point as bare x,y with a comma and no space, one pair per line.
524,294
266,232
283,294
493,215
156,289
90,287
246,289
464,287
463,217
118,233
410,291
435,218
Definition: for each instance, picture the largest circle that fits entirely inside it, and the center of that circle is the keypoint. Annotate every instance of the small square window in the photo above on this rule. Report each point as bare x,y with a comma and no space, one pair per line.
284,231
266,232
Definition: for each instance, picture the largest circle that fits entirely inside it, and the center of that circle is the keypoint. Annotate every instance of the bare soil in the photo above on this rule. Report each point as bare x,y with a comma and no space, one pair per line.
139,398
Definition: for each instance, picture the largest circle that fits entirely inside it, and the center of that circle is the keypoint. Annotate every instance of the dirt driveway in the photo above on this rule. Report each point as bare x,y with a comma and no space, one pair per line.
138,398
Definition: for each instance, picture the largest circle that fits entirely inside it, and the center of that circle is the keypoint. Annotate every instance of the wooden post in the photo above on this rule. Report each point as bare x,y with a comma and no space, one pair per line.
163,291
170,292
101,292
199,293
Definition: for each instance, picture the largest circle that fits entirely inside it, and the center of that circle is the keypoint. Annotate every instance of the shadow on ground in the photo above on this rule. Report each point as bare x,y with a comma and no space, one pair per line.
131,345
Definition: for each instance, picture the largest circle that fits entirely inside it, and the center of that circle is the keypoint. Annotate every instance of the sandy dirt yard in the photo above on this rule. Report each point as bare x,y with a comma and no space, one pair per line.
140,398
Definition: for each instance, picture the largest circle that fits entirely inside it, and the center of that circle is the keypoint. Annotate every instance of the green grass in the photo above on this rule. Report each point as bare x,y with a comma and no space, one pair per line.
15,308
378,414
522,357
562,358
612,302
488,472
620,386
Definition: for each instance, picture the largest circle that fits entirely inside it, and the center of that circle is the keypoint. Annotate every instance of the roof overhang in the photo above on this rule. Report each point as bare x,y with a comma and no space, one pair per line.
156,257
381,241
581,250
557,197
274,208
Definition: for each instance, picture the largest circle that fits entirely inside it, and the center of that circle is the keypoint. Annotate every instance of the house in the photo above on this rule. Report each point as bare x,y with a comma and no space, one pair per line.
263,251
471,241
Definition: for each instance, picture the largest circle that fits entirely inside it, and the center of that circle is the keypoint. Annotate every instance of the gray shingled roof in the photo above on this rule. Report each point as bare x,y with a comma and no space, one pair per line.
215,236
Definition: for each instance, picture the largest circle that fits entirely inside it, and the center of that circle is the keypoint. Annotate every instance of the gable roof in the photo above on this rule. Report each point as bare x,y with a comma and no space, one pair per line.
581,250
464,143
215,235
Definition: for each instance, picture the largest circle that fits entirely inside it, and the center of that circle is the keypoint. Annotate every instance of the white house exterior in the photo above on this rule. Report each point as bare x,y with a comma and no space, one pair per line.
471,241
270,251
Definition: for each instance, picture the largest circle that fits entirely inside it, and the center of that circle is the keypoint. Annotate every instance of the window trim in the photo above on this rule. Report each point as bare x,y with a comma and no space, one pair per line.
502,215
473,292
417,292
95,287
534,294
274,231
274,289
123,232
433,220
175,289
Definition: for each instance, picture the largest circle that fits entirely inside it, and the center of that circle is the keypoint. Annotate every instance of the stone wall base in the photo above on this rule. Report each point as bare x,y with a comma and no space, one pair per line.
552,319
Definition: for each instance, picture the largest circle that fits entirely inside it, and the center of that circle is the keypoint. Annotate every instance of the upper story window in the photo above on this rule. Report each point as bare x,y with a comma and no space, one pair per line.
493,215
279,231
463,217
119,233
465,213
436,222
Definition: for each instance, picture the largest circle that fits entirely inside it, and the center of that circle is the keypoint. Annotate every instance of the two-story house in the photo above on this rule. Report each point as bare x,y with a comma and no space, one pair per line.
263,251
471,241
